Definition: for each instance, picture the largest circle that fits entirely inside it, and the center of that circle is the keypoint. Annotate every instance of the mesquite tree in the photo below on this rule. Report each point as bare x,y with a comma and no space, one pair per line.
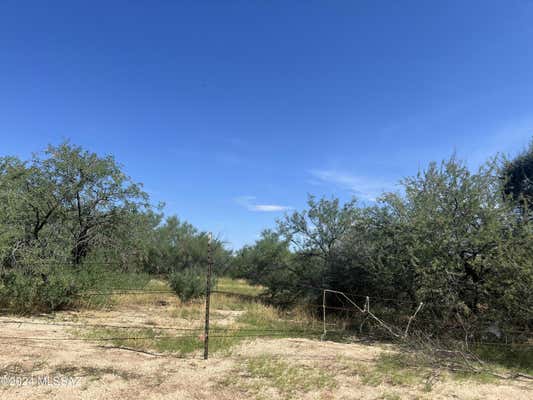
517,176
63,204
449,239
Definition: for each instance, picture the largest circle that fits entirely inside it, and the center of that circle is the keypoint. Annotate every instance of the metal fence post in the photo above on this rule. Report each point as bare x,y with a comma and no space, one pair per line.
207,296
323,337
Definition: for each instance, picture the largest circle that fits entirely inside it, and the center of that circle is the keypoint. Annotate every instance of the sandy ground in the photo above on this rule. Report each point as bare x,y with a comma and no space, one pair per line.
85,370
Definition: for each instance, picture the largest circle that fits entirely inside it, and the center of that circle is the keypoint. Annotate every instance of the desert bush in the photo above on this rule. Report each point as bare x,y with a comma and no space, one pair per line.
43,290
189,283
450,239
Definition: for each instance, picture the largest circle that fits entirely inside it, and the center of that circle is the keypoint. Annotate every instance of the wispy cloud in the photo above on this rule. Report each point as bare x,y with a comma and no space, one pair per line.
250,204
363,187
508,139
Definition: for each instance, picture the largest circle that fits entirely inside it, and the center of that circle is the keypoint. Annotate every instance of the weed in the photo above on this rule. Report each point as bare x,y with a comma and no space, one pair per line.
21,368
227,302
390,396
389,368
290,381
95,372
396,370
481,377
516,358
267,318
146,339
221,339
238,286
190,312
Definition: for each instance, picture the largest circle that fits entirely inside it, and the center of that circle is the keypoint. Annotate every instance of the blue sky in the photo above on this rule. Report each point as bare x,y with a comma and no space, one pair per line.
231,112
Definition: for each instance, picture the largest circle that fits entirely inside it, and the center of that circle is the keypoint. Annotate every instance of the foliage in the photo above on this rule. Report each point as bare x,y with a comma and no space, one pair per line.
267,263
238,286
451,239
395,369
517,175
463,245
189,283
62,205
457,240
68,214
289,381
518,358
47,290
177,246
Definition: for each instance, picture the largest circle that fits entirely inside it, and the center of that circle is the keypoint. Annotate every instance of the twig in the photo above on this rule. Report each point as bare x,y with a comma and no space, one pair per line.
134,350
411,319
521,375
366,310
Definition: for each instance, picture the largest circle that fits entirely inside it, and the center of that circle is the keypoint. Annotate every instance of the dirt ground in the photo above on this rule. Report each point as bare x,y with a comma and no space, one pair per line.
80,369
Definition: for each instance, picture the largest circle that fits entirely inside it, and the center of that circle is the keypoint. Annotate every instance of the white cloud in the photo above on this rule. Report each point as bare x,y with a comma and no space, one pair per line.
249,203
363,187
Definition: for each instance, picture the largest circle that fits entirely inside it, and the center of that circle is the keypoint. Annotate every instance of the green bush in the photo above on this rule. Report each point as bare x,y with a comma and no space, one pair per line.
44,290
188,284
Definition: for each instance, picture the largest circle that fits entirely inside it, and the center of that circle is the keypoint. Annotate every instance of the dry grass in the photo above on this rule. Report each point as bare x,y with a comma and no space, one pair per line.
264,376
239,286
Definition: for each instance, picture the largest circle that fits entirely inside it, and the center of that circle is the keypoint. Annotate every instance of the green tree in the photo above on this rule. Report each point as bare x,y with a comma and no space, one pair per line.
461,242
179,245
315,235
449,239
517,175
268,262
64,204
97,195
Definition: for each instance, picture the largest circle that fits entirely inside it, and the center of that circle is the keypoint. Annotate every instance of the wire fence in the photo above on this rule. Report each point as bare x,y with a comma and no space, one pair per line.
138,332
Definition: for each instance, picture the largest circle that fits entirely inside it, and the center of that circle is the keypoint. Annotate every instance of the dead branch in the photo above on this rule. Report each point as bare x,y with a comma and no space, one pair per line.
411,318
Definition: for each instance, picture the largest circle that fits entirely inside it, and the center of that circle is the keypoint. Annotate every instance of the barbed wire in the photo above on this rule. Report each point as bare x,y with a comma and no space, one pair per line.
134,291
244,336
155,337
216,333
154,327
125,292
140,291
359,295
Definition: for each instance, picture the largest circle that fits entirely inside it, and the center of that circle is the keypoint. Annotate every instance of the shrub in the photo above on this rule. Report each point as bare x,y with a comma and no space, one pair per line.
188,284
44,290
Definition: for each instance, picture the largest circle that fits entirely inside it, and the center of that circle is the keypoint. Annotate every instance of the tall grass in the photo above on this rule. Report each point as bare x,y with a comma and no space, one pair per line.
238,286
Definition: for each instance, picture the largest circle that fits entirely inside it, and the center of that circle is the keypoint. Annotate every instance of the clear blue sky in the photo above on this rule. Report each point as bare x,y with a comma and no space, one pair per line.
230,111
